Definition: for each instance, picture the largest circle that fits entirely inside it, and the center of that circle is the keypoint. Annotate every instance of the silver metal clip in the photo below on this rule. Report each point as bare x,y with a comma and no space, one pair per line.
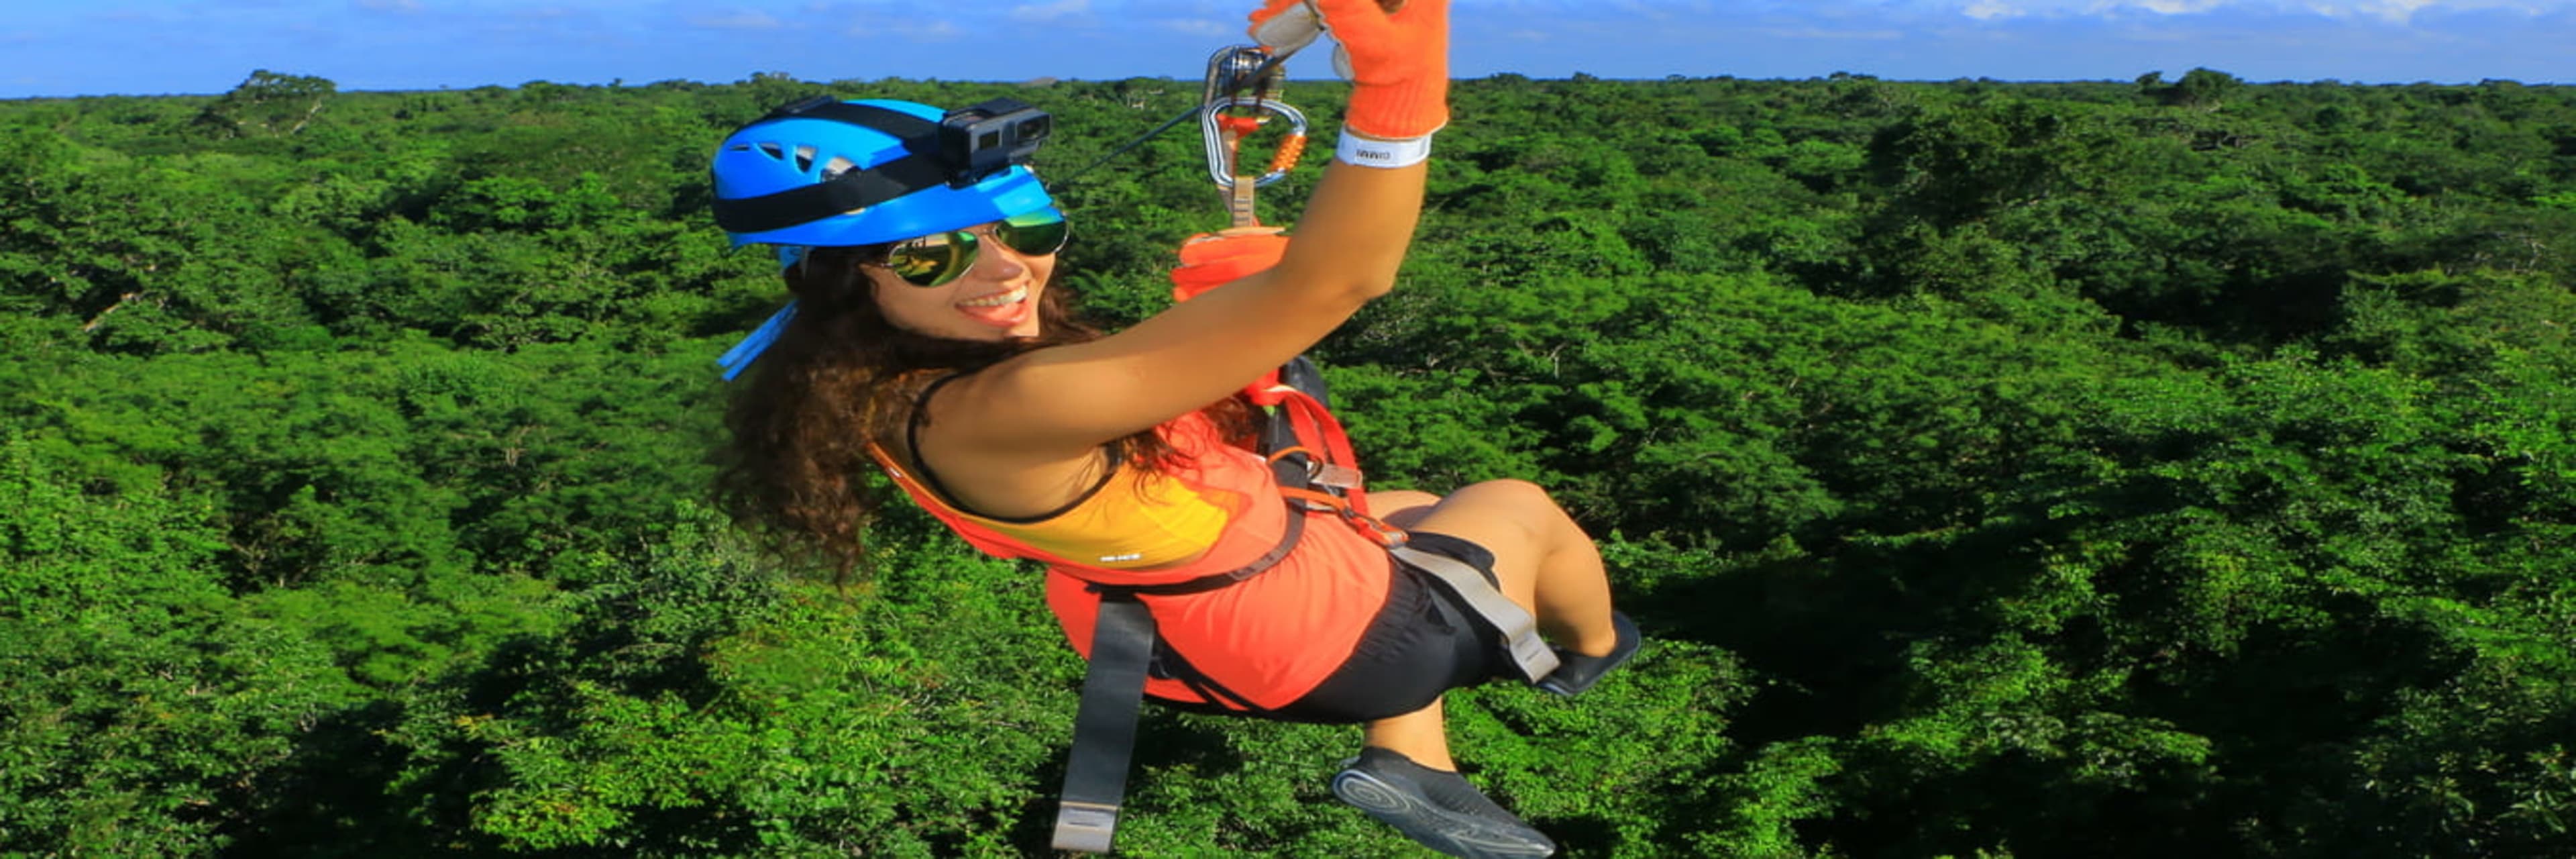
1223,112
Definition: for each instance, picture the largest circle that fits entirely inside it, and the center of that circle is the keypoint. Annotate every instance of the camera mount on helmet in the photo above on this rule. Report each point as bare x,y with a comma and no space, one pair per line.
963,148
988,138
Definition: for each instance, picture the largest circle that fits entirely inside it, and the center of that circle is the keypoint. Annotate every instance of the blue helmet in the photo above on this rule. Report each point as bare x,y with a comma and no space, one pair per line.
825,173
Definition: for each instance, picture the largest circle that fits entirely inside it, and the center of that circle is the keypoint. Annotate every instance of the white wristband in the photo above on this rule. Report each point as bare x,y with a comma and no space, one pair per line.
1365,152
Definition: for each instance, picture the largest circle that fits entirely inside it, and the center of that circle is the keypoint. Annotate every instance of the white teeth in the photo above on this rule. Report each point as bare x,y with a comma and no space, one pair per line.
998,299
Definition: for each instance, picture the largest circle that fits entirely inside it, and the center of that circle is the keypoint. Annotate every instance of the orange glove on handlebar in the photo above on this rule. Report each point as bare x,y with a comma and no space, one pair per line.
1399,59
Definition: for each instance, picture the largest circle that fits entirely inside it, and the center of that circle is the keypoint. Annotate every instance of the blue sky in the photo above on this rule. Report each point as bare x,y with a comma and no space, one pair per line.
149,47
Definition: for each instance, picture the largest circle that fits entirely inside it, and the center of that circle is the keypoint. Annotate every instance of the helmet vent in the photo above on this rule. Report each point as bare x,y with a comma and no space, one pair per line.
804,159
774,151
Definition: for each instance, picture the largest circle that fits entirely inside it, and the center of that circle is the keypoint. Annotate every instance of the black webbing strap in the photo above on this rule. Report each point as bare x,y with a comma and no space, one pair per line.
922,168
1302,374
919,135
1104,728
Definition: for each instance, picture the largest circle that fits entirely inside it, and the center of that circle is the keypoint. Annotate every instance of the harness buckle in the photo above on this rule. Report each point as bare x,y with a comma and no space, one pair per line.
1377,531
1085,827
1335,476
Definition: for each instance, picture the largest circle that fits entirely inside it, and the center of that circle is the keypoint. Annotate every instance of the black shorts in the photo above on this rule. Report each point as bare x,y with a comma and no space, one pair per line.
1423,643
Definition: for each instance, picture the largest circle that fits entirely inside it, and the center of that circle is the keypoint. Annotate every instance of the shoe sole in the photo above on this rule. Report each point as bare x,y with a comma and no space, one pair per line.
1457,835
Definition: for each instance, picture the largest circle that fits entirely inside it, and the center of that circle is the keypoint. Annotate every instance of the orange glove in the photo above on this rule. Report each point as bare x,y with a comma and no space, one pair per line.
1399,60
1211,260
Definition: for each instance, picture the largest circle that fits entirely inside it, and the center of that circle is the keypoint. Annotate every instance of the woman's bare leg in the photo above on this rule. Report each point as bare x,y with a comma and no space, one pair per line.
1545,561
1421,735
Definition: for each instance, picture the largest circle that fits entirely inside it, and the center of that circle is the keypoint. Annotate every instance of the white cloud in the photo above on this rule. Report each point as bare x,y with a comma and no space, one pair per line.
2399,11
737,21
2178,7
1651,11
1200,27
934,31
1043,12
1879,35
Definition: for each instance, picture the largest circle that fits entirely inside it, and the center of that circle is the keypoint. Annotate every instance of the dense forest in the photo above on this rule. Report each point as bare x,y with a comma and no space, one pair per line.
2145,469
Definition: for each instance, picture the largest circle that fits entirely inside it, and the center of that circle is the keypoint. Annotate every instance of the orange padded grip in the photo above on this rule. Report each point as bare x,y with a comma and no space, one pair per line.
1290,150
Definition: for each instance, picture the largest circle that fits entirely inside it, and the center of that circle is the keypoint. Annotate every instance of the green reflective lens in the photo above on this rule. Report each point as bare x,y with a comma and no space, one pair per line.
1035,233
932,260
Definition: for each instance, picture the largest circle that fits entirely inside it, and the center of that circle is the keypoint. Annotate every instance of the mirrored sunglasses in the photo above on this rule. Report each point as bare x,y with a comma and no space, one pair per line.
936,259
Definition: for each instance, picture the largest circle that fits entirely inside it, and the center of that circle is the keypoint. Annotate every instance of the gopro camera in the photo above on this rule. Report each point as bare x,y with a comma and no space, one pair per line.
988,138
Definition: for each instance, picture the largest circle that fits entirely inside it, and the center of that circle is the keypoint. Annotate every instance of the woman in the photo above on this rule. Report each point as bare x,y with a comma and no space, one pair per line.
928,336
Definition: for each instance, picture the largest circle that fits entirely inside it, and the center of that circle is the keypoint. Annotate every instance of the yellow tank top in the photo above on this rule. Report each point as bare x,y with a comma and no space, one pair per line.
1128,521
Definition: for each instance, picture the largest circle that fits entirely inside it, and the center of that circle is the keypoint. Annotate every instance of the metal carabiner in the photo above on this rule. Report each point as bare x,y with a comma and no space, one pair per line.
1226,118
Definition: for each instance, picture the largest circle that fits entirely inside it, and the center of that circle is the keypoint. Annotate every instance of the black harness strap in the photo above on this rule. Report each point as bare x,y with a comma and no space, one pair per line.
1104,729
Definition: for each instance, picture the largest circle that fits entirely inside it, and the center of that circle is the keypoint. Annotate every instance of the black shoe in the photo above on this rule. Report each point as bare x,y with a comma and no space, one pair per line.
1576,672
1438,809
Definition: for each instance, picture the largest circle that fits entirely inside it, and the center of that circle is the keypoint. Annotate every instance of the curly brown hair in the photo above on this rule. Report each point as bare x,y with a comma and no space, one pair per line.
794,471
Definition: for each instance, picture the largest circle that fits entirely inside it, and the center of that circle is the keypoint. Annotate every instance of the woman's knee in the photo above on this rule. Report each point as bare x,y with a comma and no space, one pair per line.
1505,492
1527,501
1503,515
